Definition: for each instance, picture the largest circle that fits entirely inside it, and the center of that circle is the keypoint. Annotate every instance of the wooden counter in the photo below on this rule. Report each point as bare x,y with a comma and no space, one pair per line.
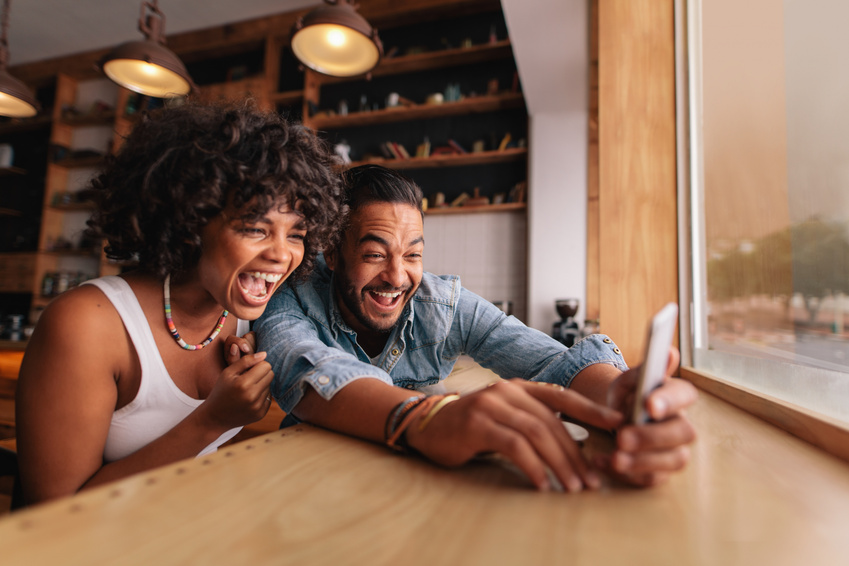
752,495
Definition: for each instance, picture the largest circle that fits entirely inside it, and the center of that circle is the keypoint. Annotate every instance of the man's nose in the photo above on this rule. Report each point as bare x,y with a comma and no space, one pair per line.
394,274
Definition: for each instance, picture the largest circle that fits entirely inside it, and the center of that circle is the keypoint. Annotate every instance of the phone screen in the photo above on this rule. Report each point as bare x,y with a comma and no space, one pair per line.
658,340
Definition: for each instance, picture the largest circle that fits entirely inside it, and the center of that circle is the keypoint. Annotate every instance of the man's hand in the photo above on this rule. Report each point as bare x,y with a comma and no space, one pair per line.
647,454
518,420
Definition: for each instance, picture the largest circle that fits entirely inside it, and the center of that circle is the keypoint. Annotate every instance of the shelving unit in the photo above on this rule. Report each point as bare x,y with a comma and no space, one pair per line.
91,134
416,113
257,62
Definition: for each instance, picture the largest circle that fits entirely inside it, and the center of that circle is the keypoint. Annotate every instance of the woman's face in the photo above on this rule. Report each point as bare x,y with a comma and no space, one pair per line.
243,262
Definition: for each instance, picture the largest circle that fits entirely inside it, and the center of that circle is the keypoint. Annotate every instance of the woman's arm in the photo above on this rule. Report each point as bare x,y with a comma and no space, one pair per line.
67,393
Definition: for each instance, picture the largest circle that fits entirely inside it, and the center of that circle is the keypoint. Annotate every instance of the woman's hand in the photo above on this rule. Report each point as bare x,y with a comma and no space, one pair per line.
241,395
518,420
237,346
646,454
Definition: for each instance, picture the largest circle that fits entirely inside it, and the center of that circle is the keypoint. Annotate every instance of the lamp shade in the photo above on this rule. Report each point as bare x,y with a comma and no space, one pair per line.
149,68
335,40
16,100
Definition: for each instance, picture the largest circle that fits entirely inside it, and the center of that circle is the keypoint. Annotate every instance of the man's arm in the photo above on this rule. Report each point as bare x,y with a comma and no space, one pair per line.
514,418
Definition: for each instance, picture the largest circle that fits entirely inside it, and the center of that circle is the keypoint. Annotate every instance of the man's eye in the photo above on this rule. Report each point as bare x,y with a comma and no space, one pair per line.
252,231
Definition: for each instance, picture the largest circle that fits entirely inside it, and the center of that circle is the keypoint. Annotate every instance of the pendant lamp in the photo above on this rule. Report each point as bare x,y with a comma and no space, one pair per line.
148,67
16,100
335,40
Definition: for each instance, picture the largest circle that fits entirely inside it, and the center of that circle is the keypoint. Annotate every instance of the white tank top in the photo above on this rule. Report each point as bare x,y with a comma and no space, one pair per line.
159,404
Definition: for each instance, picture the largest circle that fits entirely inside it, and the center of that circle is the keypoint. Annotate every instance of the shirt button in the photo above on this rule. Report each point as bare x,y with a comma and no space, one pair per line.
410,387
608,341
618,351
395,351
324,380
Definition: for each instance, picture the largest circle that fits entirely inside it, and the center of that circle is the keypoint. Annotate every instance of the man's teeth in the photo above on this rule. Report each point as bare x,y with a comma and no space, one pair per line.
387,295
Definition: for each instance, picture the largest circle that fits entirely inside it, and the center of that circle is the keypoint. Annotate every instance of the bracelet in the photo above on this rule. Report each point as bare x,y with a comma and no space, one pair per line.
446,400
426,404
396,414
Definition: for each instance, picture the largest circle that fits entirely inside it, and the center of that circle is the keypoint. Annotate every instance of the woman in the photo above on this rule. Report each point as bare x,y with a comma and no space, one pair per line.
218,206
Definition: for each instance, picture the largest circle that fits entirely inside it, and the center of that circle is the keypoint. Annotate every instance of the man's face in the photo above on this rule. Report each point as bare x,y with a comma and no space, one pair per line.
378,266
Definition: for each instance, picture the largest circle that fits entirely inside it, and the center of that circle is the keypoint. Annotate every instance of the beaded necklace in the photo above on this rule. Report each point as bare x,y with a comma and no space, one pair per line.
166,291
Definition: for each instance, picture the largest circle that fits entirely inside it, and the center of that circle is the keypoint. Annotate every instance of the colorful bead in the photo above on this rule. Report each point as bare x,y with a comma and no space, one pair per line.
173,329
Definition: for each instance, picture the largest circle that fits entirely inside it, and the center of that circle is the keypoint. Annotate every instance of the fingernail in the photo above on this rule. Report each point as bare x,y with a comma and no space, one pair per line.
234,350
545,485
658,407
593,481
245,348
574,485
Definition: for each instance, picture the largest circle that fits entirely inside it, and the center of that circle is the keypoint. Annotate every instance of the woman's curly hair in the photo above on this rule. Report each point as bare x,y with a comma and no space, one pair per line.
181,166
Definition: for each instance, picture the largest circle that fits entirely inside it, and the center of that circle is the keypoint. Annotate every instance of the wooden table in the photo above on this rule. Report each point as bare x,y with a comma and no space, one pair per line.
752,495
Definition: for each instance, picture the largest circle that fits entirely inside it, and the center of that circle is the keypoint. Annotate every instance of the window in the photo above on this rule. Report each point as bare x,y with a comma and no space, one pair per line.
769,179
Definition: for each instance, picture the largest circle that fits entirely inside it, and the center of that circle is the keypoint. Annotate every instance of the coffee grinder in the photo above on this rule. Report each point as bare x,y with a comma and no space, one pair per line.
566,330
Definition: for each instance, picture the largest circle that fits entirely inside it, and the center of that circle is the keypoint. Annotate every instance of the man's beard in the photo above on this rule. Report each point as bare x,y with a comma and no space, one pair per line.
355,302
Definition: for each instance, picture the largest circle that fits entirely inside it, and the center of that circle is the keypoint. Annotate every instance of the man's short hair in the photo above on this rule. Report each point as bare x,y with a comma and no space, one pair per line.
372,183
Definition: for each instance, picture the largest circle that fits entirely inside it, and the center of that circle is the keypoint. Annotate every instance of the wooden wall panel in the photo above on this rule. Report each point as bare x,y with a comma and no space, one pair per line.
637,183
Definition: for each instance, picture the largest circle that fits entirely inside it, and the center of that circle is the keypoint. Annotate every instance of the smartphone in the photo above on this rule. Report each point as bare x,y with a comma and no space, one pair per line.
658,340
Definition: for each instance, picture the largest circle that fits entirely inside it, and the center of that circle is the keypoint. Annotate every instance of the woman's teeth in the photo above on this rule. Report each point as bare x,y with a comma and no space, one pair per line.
256,284
270,277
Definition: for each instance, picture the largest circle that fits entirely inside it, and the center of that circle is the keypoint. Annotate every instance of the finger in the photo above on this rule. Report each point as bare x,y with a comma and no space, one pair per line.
604,462
259,376
515,448
573,404
641,463
674,359
546,434
671,398
231,354
243,364
653,436
249,344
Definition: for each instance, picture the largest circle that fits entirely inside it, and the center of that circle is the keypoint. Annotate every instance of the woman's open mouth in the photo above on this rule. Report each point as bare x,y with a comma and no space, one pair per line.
258,286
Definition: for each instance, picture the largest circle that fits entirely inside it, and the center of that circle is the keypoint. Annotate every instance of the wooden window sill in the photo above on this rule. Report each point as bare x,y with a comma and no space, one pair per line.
821,431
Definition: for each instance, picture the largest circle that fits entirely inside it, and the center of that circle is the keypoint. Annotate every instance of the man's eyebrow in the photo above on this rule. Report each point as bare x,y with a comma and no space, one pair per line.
373,238
419,240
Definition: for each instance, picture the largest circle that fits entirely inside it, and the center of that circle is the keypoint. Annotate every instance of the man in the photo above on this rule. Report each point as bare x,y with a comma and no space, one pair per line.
348,346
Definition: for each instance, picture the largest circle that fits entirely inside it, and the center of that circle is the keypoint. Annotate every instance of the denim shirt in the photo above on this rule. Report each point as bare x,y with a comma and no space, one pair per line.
308,342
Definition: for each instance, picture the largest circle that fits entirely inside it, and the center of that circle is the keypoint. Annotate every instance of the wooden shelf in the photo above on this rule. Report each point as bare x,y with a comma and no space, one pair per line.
10,212
287,98
435,60
8,171
506,207
94,254
80,162
26,125
472,105
99,119
458,160
72,207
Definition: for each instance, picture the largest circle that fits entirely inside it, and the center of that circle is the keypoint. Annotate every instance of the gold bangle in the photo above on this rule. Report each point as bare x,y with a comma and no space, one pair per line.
436,408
